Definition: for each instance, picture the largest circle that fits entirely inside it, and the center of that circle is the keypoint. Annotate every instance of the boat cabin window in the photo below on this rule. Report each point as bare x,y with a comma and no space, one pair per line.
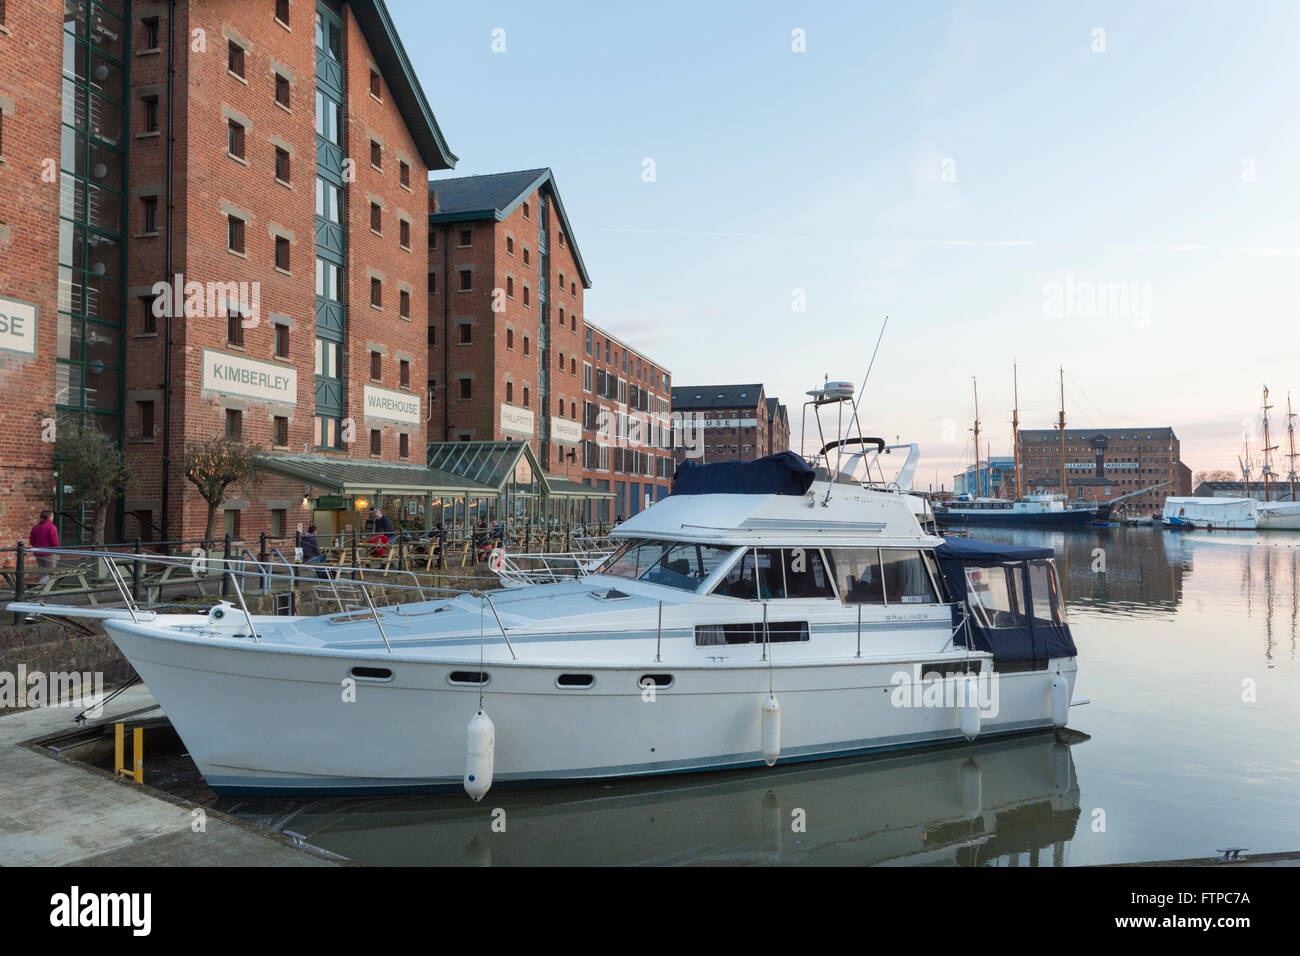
996,595
805,573
883,576
767,573
857,572
778,632
1049,608
674,564
906,579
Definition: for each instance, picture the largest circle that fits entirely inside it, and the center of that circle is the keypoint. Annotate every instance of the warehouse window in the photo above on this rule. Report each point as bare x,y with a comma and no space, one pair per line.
404,304
235,140
235,59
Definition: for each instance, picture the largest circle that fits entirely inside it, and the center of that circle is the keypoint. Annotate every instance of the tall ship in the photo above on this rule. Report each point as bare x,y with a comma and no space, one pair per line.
1245,512
1041,510
764,612
1279,515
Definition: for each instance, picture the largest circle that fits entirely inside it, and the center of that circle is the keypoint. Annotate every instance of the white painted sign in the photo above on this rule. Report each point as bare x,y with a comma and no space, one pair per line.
562,429
17,326
237,375
516,421
392,406
715,423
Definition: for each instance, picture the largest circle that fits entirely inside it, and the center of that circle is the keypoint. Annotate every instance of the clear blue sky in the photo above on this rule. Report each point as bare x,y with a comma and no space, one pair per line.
956,166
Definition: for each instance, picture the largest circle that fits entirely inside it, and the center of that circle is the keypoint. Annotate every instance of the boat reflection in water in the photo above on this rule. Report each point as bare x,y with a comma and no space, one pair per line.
1007,802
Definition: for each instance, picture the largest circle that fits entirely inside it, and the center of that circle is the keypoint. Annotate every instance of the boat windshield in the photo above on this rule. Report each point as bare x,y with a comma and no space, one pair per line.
674,564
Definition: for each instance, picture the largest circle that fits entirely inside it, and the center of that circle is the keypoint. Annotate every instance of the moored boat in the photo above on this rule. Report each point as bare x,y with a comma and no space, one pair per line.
755,615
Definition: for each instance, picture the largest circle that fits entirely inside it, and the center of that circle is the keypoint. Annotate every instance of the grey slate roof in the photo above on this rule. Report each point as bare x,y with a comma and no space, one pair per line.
403,85
701,397
1087,434
495,196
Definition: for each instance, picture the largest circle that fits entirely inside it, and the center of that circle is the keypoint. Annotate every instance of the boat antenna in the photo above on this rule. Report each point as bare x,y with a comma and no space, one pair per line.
853,419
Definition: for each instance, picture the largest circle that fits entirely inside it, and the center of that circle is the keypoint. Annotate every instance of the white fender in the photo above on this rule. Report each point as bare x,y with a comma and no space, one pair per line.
1060,700
970,709
481,741
771,736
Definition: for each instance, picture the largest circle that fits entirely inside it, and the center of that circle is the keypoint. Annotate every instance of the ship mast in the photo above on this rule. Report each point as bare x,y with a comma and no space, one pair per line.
1015,427
1290,432
1064,494
1267,447
975,386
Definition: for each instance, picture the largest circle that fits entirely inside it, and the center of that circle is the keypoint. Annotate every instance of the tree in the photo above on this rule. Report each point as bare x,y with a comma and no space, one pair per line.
95,467
1215,476
215,466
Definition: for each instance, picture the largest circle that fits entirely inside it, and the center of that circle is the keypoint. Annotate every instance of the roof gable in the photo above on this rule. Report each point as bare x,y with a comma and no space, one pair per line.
495,196
403,85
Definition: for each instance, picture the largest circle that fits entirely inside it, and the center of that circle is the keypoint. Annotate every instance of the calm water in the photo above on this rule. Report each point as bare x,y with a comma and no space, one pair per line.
1168,760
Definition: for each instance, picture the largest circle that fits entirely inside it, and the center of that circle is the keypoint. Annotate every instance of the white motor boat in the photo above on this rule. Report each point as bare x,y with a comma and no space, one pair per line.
1212,514
1278,516
753,616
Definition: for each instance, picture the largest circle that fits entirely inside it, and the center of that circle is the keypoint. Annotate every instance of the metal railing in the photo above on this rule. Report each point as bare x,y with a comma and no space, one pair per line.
517,570
233,571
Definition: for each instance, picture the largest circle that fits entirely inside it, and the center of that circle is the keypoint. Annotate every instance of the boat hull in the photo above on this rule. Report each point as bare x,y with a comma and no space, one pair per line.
1080,518
283,721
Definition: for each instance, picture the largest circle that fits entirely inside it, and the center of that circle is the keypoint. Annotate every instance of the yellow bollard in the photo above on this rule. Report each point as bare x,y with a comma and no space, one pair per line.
137,753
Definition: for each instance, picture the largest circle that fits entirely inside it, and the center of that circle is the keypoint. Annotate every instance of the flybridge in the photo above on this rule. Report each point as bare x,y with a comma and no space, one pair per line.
781,474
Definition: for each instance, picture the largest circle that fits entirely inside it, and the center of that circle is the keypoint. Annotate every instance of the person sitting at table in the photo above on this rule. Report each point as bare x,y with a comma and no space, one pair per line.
311,550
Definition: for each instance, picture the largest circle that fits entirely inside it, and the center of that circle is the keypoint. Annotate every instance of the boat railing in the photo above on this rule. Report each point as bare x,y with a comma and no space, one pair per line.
143,580
516,570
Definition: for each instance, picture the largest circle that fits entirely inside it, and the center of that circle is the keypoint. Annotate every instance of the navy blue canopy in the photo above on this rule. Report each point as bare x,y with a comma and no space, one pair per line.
1007,617
968,549
781,474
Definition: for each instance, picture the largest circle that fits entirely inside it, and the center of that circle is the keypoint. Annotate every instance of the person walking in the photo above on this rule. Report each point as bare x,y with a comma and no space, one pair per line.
45,534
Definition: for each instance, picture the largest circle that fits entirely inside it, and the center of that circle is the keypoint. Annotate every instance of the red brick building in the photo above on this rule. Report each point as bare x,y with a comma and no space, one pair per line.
1102,465
510,353
778,427
727,423
267,160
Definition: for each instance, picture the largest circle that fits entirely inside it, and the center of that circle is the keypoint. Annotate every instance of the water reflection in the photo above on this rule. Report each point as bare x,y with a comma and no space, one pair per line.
1010,802
1145,572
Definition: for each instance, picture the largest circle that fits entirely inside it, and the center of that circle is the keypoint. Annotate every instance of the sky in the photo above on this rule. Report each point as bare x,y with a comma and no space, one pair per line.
1111,188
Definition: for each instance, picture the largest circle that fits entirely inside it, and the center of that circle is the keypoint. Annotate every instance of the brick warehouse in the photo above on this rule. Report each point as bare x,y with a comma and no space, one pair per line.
728,423
511,355
1104,464
279,171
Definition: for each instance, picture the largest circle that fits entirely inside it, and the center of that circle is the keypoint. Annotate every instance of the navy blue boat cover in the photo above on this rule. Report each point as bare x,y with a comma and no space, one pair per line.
781,474
1021,635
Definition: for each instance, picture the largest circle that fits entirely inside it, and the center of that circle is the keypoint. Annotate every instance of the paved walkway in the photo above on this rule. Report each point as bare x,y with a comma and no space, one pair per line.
57,812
